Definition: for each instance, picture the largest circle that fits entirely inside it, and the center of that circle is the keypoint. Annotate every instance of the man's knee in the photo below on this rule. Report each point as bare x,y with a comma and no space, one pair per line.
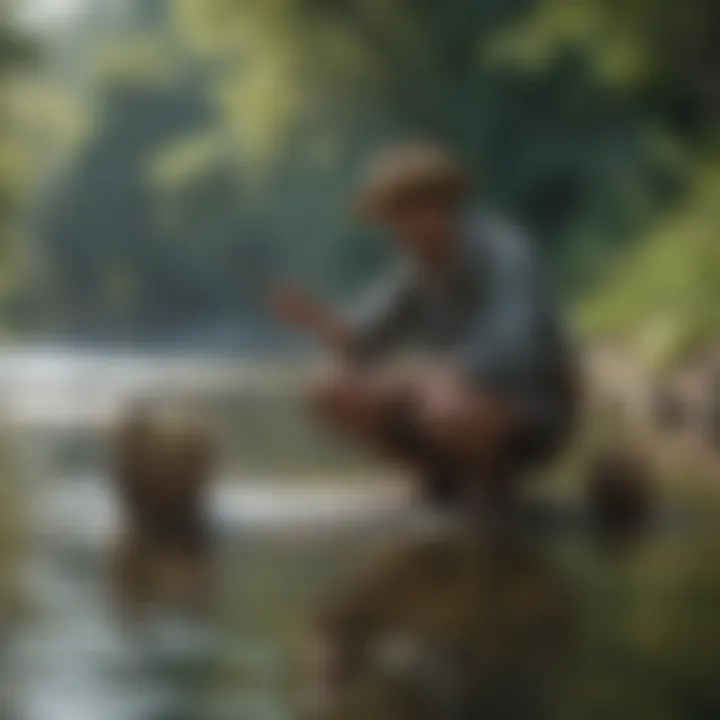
354,400
331,395
443,426
465,424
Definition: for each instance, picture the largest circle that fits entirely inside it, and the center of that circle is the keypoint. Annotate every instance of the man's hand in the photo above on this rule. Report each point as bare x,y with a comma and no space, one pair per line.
296,308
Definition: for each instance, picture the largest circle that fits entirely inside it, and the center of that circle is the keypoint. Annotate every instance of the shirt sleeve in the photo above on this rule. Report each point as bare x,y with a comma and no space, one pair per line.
385,318
503,349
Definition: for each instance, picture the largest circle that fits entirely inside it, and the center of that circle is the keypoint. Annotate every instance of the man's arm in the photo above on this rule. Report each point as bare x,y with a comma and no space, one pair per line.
385,317
378,323
298,309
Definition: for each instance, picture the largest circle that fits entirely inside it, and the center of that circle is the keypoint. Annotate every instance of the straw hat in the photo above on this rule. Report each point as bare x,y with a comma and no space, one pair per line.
421,170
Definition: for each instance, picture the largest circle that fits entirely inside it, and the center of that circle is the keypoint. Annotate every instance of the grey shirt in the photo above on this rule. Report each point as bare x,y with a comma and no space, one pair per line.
489,313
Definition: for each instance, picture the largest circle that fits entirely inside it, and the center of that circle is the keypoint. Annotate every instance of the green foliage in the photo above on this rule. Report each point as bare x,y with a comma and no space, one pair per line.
230,134
576,160
139,59
631,44
665,292
556,148
17,179
669,287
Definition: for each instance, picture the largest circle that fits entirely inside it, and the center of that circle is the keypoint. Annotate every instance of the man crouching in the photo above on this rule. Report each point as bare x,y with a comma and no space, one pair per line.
498,394
162,557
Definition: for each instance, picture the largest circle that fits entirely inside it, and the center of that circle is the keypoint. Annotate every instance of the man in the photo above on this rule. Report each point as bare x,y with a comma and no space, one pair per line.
498,394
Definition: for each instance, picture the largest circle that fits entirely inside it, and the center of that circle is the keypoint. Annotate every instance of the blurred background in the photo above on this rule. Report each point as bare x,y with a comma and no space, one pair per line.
162,162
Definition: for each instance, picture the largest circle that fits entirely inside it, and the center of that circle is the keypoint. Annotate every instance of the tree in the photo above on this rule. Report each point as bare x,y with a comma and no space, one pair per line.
668,55
557,148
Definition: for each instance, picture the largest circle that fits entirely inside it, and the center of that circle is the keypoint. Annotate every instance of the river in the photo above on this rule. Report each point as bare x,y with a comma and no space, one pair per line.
69,659
293,514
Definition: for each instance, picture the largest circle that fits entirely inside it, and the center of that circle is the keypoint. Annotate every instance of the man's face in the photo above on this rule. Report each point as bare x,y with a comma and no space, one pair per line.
424,228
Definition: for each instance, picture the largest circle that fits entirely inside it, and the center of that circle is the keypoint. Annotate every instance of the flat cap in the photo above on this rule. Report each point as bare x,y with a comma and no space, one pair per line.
421,170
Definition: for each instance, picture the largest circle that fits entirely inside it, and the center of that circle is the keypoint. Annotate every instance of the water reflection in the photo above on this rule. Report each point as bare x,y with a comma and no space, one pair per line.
451,627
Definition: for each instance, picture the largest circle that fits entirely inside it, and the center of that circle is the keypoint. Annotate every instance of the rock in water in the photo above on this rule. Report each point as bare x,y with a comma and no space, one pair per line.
620,493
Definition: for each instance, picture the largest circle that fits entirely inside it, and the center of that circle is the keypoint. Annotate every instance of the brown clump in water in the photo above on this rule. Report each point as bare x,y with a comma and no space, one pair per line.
162,469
